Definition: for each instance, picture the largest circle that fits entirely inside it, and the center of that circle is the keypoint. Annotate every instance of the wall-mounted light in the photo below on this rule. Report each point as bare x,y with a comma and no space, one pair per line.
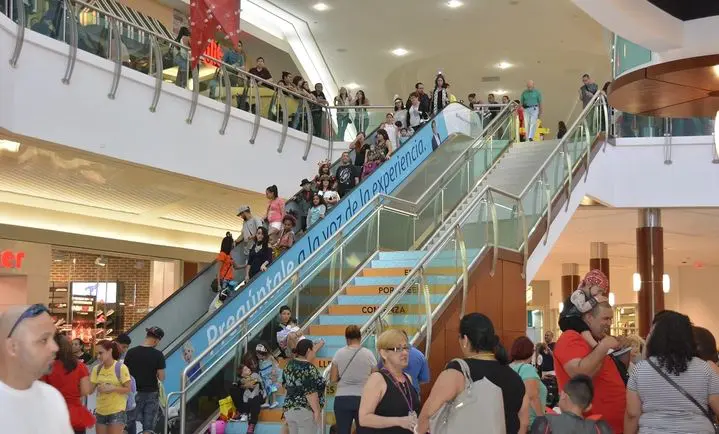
611,299
561,306
666,283
716,132
636,282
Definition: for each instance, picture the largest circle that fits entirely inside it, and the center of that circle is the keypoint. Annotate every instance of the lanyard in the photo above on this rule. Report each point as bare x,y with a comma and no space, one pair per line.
403,390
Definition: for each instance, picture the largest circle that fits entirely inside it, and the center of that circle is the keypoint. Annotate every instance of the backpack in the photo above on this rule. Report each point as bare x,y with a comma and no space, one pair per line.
479,401
560,425
131,404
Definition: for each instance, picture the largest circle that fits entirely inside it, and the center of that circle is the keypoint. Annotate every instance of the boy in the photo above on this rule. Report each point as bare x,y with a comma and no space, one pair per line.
591,291
575,399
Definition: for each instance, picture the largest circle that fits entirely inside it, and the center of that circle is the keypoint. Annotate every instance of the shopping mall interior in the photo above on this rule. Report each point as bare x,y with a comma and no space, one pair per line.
494,171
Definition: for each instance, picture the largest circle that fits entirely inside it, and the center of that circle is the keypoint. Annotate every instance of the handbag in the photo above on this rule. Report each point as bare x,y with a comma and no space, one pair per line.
707,413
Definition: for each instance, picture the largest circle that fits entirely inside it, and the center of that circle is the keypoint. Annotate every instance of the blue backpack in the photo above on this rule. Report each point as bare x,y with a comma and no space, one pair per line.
131,404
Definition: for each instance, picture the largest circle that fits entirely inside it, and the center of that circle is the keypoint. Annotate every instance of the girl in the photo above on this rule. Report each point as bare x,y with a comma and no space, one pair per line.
275,212
324,170
317,211
260,256
112,384
384,145
591,291
440,98
343,115
286,236
271,374
326,190
400,114
361,116
360,148
226,272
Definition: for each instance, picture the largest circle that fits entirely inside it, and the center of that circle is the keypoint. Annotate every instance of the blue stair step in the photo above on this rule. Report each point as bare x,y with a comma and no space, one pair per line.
416,255
339,341
377,300
396,280
410,319
410,263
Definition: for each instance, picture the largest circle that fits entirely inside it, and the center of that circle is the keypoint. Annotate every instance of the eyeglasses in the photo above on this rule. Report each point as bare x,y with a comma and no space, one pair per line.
398,349
30,312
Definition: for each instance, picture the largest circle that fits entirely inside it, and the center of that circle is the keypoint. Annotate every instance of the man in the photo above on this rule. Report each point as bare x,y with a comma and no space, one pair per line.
546,364
573,356
532,102
147,366
588,89
493,111
436,140
259,69
424,101
471,100
123,341
303,200
347,175
575,400
249,230
317,112
417,366
269,333
415,115
27,350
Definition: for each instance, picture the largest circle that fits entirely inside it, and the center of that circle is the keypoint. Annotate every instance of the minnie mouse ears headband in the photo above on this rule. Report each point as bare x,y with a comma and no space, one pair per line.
324,163
595,278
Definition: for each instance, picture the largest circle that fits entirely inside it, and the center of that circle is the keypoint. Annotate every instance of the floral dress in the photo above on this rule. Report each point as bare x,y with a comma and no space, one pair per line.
302,378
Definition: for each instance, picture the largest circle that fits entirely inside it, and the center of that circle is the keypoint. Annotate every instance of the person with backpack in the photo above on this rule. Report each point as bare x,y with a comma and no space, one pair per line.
497,397
147,366
111,379
575,399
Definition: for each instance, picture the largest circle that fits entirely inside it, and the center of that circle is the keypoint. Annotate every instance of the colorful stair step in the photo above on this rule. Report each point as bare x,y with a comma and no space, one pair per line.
396,280
382,272
369,300
339,329
388,289
362,309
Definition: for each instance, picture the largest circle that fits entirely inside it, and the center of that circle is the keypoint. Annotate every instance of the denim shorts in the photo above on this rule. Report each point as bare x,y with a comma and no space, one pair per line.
112,419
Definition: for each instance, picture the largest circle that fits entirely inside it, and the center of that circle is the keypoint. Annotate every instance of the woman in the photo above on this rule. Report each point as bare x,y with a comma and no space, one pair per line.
112,385
521,354
300,118
561,129
361,116
384,145
653,403
486,359
360,148
389,402
351,367
400,113
440,97
305,390
637,345
260,256
343,115
78,350
707,347
275,212
72,379
180,56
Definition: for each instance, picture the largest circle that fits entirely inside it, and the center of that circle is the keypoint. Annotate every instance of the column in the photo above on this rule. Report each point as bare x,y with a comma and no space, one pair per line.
650,266
570,279
599,259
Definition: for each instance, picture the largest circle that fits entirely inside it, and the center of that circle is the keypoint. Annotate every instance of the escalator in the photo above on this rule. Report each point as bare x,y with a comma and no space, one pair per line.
410,270
312,263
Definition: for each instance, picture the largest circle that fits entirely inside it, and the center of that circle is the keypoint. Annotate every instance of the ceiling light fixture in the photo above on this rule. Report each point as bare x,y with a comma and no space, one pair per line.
500,92
399,52
454,4
352,86
504,65
320,7
9,145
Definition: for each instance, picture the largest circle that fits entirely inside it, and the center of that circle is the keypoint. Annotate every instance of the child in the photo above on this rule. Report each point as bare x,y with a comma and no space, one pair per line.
317,212
574,401
248,394
591,291
286,236
226,272
288,337
271,374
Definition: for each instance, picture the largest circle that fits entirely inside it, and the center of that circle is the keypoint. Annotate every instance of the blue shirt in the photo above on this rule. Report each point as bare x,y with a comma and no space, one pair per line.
417,368
234,58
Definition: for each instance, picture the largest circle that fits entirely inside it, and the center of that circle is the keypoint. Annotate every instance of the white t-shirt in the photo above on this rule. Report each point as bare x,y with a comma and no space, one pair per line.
38,410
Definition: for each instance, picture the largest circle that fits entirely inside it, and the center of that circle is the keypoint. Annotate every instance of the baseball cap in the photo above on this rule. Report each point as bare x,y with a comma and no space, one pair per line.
243,208
304,182
261,349
155,332
123,339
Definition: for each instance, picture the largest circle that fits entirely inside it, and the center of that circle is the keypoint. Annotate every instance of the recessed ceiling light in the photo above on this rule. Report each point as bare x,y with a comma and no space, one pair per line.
500,92
352,86
504,65
9,145
399,52
320,7
454,4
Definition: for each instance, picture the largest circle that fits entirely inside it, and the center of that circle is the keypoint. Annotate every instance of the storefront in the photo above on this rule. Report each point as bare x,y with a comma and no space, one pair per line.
91,294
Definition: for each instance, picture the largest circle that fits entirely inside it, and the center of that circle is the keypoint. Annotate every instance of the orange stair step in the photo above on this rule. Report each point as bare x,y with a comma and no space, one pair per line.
388,289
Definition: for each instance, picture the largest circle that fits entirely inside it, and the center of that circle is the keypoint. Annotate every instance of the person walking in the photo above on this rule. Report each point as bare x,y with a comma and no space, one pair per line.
111,380
532,103
305,390
147,365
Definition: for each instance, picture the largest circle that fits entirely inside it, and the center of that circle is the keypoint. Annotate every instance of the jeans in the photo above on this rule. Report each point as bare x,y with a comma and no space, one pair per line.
343,121
346,411
531,115
145,412
111,419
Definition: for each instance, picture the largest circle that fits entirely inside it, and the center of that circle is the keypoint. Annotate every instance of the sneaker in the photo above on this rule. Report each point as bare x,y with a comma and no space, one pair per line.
265,405
243,418
274,404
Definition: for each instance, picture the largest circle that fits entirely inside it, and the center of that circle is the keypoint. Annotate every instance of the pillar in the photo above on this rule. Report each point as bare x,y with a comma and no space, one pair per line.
650,266
570,279
599,259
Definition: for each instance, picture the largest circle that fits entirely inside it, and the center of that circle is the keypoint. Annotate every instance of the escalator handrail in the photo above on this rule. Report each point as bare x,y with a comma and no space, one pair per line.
403,286
378,199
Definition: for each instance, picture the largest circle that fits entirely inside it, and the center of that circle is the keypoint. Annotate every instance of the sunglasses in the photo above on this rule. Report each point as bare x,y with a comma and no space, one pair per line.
30,312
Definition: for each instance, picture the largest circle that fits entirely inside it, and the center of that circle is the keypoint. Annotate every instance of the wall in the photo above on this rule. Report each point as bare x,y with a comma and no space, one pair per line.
276,60
698,296
153,9
132,274
13,290
36,269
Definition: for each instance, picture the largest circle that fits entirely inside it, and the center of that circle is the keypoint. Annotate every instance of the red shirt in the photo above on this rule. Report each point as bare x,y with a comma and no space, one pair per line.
68,384
610,393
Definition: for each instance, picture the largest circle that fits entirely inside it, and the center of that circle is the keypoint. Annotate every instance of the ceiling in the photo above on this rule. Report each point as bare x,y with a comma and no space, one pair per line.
691,235
686,10
61,179
553,43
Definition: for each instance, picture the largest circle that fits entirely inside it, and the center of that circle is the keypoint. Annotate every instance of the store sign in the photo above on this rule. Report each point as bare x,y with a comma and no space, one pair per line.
10,259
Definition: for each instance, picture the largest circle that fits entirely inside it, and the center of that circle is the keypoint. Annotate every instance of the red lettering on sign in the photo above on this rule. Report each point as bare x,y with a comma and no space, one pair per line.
10,259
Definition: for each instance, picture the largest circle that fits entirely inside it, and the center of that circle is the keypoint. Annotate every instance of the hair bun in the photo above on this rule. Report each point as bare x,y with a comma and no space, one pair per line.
228,234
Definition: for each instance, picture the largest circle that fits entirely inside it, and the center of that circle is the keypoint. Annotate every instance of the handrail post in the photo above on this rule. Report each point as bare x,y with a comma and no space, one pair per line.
72,53
307,114
158,73
20,36
568,158
548,196
330,136
459,236
282,99
428,310
114,29
525,236
258,109
228,98
495,231
195,92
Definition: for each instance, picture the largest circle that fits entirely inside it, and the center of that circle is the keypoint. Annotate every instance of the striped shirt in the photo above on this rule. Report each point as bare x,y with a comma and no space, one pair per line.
664,409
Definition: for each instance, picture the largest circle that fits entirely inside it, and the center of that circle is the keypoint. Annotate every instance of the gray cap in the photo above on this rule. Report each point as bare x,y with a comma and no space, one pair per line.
243,208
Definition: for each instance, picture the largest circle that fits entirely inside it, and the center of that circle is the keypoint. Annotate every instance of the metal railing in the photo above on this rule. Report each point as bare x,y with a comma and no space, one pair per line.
240,333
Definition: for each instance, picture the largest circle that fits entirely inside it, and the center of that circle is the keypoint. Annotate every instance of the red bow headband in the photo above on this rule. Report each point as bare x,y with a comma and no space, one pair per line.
595,278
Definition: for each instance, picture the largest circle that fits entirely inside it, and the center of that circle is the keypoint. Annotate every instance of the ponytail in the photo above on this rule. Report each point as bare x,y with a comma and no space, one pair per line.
500,353
227,243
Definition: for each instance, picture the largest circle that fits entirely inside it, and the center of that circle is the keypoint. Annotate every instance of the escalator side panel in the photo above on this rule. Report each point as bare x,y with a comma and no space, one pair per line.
384,180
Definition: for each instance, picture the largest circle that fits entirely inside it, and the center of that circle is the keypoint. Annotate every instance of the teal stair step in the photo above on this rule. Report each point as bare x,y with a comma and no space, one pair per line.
397,319
377,300
396,280
339,341
416,255
410,263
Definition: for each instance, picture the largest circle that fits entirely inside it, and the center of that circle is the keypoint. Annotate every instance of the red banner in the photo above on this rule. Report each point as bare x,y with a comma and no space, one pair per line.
208,17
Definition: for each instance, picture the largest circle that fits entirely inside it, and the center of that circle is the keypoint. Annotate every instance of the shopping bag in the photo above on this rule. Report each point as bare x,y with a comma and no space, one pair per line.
227,408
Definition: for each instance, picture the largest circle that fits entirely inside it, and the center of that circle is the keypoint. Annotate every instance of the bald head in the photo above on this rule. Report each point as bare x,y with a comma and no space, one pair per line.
27,347
530,84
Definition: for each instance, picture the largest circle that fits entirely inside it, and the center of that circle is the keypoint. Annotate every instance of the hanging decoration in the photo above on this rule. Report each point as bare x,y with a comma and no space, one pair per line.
208,17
